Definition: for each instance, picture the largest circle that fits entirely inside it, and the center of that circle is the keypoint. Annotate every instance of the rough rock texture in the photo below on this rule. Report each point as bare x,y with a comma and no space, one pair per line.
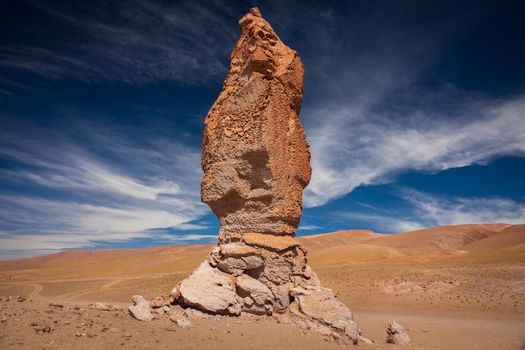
254,153
180,319
257,297
256,164
396,334
317,308
101,306
140,309
210,290
159,302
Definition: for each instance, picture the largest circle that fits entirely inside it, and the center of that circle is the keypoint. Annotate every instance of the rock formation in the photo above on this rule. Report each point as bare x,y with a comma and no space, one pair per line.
254,153
256,164
396,334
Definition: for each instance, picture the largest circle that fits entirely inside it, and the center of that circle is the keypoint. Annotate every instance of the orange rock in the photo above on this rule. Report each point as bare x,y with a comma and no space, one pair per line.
278,243
237,250
254,153
256,164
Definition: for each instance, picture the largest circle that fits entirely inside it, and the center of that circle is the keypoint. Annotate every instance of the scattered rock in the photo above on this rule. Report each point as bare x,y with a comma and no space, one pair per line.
439,287
196,314
159,301
158,311
408,287
162,310
101,306
57,306
179,319
141,309
396,334
43,329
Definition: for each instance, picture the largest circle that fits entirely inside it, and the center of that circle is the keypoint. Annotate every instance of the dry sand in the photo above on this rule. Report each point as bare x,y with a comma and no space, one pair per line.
455,287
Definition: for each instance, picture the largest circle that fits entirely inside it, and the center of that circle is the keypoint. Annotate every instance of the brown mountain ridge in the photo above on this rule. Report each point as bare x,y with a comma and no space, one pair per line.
452,287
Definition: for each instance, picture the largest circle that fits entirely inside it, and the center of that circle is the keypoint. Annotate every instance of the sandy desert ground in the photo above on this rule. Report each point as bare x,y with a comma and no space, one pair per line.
452,287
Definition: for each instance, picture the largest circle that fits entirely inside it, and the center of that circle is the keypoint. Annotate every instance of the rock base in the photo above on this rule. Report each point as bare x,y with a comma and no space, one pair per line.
259,275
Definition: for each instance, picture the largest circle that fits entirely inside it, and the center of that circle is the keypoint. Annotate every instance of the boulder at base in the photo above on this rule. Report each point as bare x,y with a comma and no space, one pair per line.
210,290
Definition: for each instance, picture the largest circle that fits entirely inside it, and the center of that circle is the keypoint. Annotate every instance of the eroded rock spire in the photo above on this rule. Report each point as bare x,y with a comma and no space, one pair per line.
256,164
254,153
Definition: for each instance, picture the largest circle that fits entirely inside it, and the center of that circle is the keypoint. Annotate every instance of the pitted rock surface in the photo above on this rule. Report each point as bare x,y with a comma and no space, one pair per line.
254,152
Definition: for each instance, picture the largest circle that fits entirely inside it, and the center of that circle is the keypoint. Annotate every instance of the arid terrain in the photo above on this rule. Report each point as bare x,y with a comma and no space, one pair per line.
452,287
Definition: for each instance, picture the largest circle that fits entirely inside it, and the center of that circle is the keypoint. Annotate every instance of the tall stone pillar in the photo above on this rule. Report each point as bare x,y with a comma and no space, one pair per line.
256,164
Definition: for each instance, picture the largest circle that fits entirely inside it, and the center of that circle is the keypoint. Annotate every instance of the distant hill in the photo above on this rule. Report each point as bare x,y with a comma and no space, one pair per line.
474,242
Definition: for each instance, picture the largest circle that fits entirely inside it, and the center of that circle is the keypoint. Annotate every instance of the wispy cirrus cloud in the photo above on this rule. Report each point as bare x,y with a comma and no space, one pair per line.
374,106
133,42
436,210
420,210
308,227
393,222
23,245
35,214
105,187
362,147
372,110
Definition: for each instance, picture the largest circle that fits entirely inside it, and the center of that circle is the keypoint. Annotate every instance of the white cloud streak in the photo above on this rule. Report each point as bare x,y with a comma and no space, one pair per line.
131,41
77,197
366,117
383,222
436,211
369,112
21,245
426,210
308,227
92,219
355,149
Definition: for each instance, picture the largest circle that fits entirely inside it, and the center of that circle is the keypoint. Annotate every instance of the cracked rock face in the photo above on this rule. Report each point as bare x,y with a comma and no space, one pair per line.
256,164
254,152
210,290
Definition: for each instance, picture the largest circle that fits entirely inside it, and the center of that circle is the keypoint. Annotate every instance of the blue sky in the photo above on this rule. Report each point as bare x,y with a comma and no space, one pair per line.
414,111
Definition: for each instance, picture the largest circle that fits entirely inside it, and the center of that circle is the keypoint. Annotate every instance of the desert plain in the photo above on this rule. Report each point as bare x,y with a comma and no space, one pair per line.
451,287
